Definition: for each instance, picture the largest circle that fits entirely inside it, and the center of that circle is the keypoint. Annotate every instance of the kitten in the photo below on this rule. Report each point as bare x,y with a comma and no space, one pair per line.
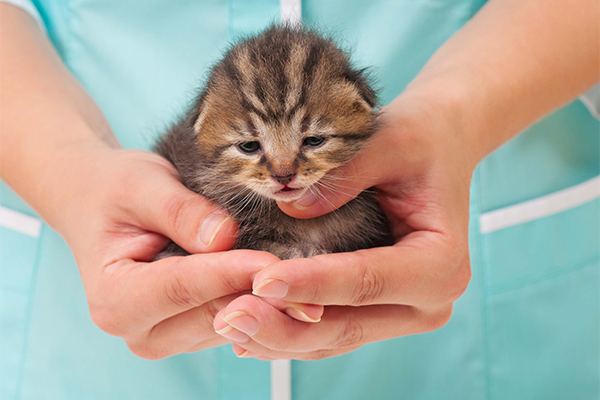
278,112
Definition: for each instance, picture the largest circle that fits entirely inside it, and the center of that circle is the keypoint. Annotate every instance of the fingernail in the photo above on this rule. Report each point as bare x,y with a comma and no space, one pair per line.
242,322
211,226
301,315
305,202
271,288
235,336
243,354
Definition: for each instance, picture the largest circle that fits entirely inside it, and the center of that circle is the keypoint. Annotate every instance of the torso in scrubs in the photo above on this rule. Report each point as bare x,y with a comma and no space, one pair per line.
526,328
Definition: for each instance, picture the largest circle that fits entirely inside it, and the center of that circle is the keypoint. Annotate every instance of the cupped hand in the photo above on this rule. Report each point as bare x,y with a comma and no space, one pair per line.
418,166
117,210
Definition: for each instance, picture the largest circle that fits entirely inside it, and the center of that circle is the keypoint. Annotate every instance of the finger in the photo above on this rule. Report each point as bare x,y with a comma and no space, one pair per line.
127,298
217,341
241,320
267,330
196,224
375,164
305,313
337,187
189,331
241,352
407,273
299,311
193,330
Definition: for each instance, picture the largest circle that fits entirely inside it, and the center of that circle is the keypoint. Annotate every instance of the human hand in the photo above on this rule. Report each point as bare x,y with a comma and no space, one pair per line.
114,207
418,166
123,205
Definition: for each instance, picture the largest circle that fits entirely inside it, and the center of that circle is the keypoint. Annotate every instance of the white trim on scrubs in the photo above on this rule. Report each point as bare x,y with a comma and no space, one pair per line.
540,207
281,380
20,222
291,11
29,8
591,99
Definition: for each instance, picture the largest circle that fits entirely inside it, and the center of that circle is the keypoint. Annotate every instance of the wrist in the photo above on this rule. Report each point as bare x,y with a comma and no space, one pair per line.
452,109
69,176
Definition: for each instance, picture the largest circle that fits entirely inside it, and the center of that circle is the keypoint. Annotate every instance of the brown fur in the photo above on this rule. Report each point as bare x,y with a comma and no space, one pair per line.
281,91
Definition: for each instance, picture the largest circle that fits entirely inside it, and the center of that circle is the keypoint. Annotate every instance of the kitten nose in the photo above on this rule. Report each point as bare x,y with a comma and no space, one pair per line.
284,179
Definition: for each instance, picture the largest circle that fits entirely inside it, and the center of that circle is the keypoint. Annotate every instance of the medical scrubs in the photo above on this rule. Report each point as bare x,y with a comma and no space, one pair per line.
526,328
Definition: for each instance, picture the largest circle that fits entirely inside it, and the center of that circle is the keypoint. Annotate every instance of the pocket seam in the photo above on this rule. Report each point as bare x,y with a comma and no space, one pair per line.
554,273
28,313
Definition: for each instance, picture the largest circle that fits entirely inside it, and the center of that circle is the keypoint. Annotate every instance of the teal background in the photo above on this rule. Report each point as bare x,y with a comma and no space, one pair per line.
526,328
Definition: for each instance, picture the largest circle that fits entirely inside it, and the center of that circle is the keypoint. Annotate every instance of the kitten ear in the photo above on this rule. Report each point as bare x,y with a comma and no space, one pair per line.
359,78
198,113
199,120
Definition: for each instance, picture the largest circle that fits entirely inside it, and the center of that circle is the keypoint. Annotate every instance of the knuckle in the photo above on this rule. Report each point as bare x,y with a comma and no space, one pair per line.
352,334
313,294
459,281
208,315
211,311
369,288
318,355
462,279
178,210
438,320
177,291
106,320
146,351
104,313
227,279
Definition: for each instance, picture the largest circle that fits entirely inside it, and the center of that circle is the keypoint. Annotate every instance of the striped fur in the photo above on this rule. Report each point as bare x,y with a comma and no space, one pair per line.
280,91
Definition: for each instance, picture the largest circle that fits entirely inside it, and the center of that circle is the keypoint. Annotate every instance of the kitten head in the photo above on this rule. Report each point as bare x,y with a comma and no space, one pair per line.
281,110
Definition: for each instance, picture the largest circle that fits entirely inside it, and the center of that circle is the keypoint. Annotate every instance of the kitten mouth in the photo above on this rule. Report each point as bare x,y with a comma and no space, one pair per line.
288,194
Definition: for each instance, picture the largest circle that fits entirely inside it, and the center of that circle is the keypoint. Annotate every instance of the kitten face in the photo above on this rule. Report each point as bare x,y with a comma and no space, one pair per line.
282,110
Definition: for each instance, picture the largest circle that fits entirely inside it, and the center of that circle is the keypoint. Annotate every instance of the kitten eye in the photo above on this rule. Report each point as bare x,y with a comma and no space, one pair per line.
305,124
313,141
249,147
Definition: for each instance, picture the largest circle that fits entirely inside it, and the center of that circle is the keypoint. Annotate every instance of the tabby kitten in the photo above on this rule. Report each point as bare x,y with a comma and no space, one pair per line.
278,112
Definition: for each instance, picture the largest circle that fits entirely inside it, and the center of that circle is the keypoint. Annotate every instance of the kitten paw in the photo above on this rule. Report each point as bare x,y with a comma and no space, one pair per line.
289,251
311,251
172,250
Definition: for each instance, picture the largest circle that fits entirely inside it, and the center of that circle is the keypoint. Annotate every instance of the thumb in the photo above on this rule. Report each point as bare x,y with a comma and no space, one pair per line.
340,185
196,224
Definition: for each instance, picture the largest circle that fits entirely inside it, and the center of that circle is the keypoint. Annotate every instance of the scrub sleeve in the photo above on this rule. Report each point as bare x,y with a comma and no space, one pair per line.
526,328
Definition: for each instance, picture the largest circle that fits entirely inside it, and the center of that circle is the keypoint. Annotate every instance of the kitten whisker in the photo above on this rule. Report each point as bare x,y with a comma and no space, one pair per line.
334,190
326,179
357,199
319,193
232,199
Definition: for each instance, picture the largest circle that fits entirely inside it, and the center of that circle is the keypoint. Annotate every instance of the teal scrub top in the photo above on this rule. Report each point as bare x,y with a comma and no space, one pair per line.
526,328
